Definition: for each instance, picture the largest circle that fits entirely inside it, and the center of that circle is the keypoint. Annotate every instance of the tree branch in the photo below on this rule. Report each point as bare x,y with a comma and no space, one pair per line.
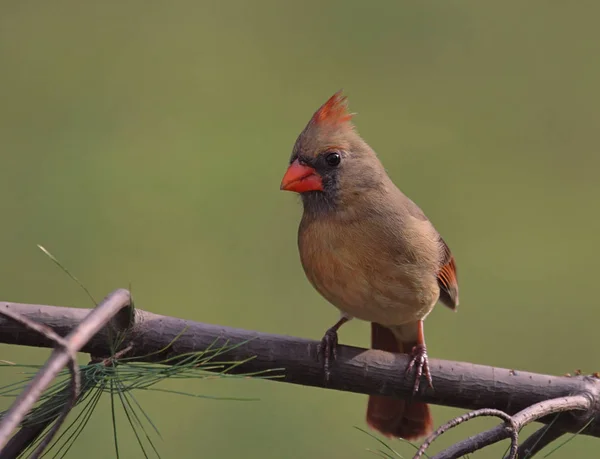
29,433
509,424
517,422
31,394
64,354
457,384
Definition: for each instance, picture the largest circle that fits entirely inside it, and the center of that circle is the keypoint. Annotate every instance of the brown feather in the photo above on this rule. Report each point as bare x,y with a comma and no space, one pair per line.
391,416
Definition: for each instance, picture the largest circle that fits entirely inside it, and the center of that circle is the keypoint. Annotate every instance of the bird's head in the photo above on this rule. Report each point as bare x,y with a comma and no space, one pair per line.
331,165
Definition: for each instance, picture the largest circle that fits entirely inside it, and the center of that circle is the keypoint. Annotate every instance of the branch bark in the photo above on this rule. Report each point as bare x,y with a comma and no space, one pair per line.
457,384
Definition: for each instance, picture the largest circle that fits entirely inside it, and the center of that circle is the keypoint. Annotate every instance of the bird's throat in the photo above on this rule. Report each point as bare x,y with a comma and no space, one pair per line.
319,202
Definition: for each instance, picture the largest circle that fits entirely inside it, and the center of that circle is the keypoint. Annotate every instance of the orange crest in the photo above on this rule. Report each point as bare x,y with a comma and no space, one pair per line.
334,111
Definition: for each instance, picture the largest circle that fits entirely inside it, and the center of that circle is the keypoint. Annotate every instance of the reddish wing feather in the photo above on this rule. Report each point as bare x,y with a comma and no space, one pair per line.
447,278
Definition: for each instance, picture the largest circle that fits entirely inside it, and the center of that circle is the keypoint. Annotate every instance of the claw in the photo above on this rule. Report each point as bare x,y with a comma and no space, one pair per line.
328,346
420,362
327,349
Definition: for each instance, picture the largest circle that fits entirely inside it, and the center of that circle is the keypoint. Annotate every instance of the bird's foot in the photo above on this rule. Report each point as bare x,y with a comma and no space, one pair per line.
327,349
420,362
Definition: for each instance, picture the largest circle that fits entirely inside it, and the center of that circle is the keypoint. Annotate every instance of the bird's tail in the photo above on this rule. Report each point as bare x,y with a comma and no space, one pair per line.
391,416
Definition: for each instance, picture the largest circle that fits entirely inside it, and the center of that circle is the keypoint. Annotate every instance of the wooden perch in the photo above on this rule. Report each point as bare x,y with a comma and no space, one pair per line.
456,384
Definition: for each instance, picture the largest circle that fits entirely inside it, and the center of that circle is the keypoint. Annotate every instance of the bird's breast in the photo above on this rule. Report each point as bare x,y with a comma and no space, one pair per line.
362,277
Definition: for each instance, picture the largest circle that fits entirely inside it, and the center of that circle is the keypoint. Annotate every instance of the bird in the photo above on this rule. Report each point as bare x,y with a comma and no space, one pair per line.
371,252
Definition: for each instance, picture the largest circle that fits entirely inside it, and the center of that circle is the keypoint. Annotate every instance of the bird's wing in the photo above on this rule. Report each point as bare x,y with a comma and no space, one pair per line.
447,279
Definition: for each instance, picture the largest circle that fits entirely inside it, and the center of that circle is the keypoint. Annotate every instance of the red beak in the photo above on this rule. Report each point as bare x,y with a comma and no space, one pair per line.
301,178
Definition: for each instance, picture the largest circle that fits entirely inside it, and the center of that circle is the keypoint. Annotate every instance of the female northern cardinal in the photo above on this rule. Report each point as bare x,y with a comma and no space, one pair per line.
370,251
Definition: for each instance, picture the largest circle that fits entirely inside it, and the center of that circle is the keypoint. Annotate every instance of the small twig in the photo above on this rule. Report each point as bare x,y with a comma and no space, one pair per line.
60,358
74,391
20,411
27,435
509,424
521,419
539,440
108,361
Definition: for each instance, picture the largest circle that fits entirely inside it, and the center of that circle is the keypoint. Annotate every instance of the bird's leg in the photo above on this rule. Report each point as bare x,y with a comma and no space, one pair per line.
419,360
328,346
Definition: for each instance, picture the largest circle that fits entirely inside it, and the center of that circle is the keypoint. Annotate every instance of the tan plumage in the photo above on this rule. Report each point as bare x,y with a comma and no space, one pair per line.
368,249
378,266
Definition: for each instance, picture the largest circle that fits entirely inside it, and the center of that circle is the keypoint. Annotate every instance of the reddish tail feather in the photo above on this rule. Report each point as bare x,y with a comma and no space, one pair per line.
390,416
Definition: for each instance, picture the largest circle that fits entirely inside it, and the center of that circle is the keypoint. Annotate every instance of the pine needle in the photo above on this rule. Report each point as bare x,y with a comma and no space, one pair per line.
118,378
571,437
390,453
68,273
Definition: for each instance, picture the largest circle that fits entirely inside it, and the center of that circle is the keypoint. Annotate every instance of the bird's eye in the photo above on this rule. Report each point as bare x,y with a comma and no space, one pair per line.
333,159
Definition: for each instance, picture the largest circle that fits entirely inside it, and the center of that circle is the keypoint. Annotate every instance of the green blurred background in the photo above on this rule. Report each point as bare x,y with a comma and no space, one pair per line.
143,142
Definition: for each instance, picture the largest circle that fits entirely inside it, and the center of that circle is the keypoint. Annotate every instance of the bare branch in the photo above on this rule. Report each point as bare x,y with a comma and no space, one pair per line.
60,357
514,433
18,411
28,434
519,420
74,389
155,338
